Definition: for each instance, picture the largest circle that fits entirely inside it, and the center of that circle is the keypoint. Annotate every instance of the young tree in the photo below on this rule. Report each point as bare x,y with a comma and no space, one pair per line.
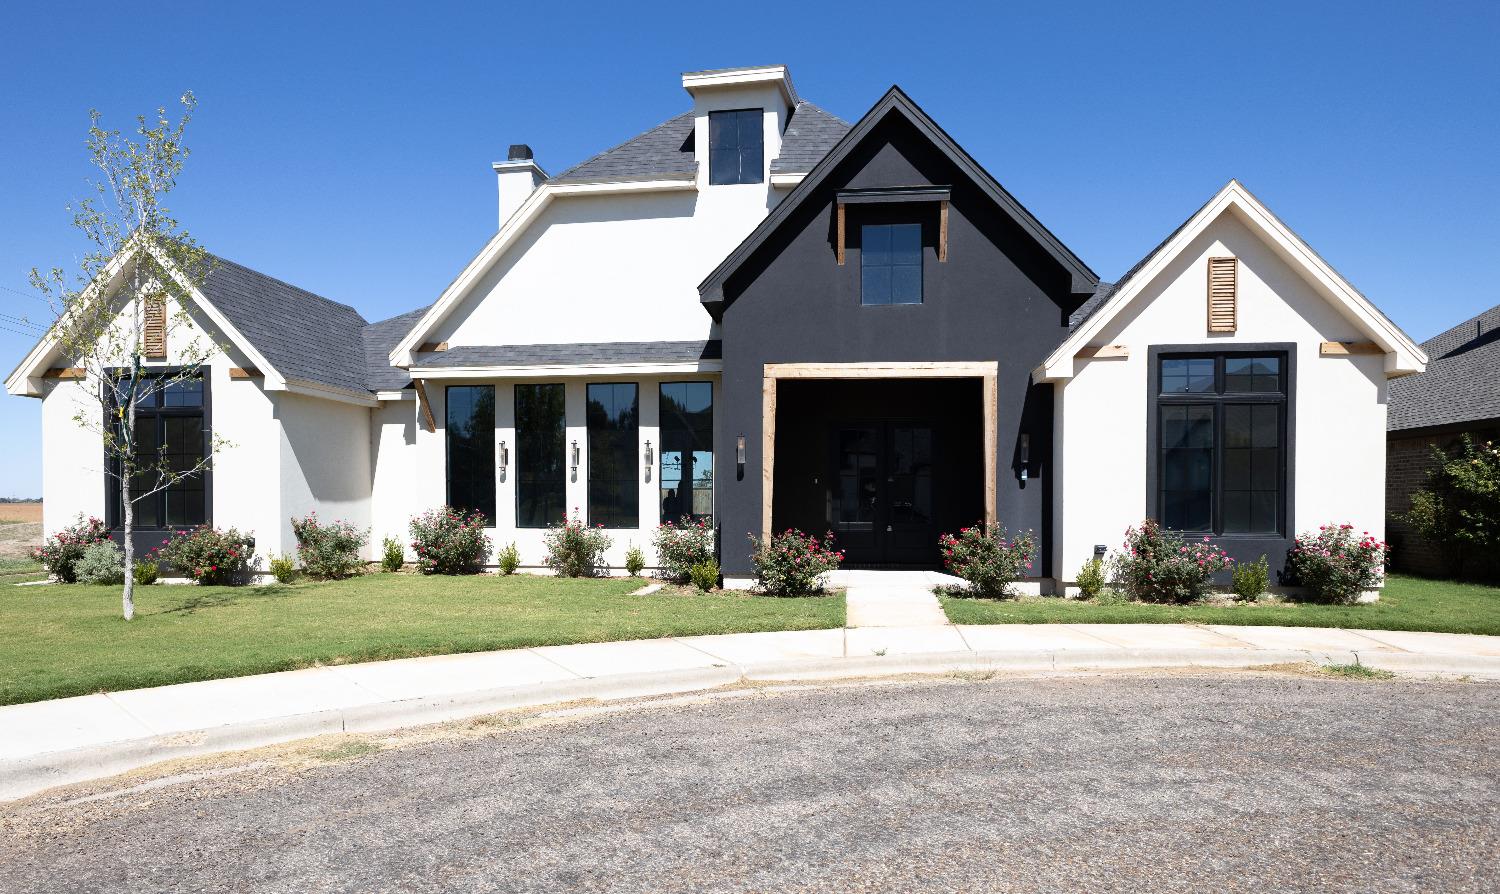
127,305
1459,508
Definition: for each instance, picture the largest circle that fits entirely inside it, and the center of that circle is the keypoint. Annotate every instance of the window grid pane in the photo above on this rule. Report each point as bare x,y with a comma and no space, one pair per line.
540,461
170,438
613,428
890,264
736,144
469,422
687,457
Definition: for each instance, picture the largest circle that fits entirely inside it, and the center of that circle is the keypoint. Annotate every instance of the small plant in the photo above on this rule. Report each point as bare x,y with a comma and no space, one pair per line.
1335,566
635,560
61,552
146,571
446,541
284,569
682,544
1111,596
1157,565
792,563
575,549
509,559
208,555
1250,579
392,555
329,550
1357,671
987,560
1091,579
102,563
1459,506
704,575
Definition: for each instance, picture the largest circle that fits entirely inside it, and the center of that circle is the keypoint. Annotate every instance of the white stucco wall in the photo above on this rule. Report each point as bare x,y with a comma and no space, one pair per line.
1340,403
324,463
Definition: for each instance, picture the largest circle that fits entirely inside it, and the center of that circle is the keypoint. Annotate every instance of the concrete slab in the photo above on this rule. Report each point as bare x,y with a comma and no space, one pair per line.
1437,643
196,706
632,657
1312,639
1028,638
761,648
863,641
1160,636
450,674
42,727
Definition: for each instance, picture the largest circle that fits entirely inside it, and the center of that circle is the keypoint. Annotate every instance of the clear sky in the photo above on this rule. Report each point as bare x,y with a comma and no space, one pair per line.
347,149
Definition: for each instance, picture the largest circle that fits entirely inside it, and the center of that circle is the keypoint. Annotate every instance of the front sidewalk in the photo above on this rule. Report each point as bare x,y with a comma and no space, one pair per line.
51,743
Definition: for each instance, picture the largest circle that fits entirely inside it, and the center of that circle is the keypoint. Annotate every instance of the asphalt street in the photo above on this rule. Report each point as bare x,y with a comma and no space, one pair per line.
1139,782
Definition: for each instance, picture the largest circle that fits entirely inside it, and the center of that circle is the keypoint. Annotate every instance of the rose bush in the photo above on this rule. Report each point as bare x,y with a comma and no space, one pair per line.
328,549
682,544
576,550
989,562
61,552
1157,565
1334,565
208,555
447,541
791,563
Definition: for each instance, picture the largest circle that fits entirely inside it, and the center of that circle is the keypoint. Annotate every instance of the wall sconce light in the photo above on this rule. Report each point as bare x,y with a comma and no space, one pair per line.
504,459
575,461
1025,456
739,458
1099,551
649,456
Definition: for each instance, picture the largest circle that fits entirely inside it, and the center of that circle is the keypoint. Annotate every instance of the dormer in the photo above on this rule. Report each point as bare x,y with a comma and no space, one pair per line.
739,116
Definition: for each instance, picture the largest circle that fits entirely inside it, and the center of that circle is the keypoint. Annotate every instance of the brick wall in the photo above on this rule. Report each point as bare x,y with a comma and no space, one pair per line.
1408,458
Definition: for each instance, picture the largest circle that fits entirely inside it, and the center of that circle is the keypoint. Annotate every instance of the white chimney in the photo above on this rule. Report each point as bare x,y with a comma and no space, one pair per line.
518,178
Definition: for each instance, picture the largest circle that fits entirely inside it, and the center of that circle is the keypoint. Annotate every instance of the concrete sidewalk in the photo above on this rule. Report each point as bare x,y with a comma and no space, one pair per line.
69,740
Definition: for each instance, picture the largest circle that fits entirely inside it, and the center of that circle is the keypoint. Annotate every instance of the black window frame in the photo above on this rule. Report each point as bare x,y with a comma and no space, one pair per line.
113,507
521,461
625,460
1285,398
661,455
743,168
484,464
887,221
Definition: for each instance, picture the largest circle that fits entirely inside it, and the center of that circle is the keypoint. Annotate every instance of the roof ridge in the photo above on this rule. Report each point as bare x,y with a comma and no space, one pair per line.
817,108
1455,329
598,155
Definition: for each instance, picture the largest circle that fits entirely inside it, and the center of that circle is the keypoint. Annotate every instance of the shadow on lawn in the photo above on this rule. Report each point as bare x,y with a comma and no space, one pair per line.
222,597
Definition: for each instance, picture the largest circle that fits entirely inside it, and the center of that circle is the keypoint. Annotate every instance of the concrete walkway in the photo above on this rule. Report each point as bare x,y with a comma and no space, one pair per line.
67,740
892,598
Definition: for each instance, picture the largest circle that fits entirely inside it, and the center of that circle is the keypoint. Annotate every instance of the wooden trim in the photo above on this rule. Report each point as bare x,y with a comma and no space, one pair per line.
841,234
895,369
1102,352
1223,294
154,328
1349,348
991,410
433,347
249,372
767,451
942,250
424,405
65,372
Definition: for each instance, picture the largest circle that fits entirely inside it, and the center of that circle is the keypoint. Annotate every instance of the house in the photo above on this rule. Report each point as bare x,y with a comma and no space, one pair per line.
759,314
1458,394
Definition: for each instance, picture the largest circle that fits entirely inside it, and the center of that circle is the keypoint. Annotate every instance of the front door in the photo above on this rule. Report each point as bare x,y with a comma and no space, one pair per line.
881,507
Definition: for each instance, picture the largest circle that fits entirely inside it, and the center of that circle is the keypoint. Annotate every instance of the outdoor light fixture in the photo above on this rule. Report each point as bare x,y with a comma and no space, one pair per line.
739,457
1025,456
1099,550
504,459
648,460
575,461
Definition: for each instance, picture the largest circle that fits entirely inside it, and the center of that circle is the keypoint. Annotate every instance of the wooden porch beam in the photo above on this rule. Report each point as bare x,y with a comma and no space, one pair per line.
424,406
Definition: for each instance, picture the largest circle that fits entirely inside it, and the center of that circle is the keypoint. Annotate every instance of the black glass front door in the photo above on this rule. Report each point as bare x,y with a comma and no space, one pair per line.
881,496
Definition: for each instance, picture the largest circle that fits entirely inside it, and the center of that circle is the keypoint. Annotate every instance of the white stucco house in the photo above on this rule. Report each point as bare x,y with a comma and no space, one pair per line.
759,314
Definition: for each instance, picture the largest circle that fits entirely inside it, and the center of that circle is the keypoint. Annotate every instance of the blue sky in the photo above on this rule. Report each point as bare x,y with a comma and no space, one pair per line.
347,149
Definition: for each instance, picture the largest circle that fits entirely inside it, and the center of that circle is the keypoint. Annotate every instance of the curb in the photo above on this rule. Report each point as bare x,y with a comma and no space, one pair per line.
29,775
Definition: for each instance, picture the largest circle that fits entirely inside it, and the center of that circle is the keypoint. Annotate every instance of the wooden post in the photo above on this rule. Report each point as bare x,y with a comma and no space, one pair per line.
424,405
943,231
767,452
841,233
991,411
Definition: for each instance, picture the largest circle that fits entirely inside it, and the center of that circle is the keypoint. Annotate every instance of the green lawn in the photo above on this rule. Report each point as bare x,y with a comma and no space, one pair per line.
1407,603
60,640
14,571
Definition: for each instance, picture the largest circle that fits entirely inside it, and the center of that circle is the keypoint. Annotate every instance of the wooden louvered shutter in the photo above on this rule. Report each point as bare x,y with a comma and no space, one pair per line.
1222,294
154,338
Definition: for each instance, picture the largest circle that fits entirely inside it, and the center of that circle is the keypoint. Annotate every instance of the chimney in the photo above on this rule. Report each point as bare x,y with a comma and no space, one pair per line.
518,177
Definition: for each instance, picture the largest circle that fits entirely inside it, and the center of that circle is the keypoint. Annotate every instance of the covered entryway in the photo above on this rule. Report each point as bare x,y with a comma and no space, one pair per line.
885,463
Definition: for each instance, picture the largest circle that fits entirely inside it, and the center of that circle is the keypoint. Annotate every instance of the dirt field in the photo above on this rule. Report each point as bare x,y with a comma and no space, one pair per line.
15,513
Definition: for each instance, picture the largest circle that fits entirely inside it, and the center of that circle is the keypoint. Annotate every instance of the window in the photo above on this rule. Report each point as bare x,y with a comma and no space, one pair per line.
614,488
170,432
470,425
1221,433
736,143
540,456
890,263
687,451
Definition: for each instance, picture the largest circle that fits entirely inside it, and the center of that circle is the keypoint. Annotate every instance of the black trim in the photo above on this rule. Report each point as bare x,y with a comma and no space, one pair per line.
894,195
112,518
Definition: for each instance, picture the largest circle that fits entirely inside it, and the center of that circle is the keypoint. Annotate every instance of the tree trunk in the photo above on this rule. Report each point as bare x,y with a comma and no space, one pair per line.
127,506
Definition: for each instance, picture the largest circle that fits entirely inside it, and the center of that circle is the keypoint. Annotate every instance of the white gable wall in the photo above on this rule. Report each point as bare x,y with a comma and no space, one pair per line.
1338,460
324,464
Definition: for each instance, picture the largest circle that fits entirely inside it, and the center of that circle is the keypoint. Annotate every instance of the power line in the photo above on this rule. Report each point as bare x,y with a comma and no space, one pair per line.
21,321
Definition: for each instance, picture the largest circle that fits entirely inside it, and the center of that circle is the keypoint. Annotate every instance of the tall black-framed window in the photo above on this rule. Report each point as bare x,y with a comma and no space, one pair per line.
541,476
687,451
1222,442
614,425
170,429
469,420
736,146
890,263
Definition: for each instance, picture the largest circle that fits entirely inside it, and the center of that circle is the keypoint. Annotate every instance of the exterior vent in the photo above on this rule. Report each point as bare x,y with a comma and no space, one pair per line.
154,337
1223,275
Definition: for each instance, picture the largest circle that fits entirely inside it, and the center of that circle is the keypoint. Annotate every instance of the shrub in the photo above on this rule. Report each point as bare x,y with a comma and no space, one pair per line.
1459,507
704,575
682,544
988,561
392,555
1156,565
1091,579
284,569
447,541
575,549
146,571
1334,565
61,552
328,550
102,563
208,555
1250,579
635,560
509,559
790,563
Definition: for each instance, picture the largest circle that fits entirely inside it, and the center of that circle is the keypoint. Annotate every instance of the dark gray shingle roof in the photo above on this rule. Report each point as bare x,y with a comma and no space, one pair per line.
665,150
810,133
597,352
1462,380
379,340
304,336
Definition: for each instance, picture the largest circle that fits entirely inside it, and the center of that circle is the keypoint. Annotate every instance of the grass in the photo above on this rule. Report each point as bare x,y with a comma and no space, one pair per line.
1357,672
1406,603
16,570
61,640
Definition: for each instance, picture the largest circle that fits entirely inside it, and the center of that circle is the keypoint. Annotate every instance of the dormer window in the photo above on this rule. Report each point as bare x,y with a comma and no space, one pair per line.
890,263
736,146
